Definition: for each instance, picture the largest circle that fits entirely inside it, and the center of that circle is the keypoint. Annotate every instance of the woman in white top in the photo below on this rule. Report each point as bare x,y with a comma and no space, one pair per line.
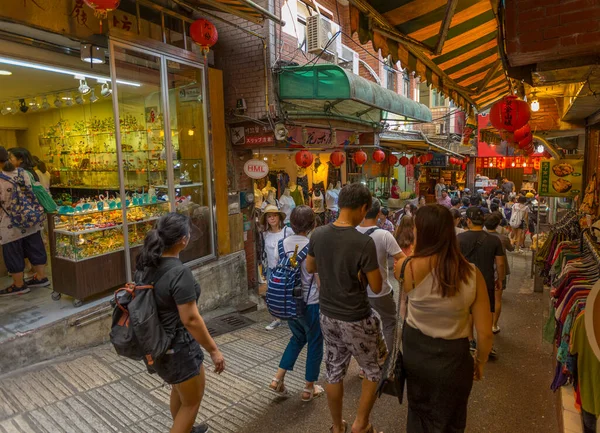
443,290
305,330
274,230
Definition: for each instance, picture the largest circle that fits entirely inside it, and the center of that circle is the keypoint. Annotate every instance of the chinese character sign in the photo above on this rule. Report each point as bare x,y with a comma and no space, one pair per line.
561,178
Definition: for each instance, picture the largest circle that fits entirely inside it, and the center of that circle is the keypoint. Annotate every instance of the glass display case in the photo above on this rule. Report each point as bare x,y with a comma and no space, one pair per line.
85,234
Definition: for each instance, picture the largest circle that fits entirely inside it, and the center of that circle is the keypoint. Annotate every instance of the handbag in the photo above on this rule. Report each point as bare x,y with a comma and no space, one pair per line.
394,377
42,195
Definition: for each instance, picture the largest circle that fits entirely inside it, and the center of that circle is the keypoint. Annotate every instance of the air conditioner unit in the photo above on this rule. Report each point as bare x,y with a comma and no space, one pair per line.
319,31
349,59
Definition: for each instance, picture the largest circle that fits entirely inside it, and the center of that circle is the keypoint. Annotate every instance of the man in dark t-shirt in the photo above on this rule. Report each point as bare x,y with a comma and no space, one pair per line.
346,261
484,251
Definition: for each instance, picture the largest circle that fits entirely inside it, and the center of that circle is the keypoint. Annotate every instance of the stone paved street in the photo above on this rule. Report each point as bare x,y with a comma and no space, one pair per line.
96,391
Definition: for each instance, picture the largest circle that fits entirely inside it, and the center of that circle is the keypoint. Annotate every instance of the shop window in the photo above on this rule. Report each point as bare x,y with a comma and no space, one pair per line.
390,76
437,99
405,84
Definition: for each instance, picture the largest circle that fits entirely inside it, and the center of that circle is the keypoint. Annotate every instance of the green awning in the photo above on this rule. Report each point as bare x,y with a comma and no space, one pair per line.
327,89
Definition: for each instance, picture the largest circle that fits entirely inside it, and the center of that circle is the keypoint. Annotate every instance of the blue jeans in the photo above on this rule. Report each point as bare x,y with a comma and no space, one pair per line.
305,330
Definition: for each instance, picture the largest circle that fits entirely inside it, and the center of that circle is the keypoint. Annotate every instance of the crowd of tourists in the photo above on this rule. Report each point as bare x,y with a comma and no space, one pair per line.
451,267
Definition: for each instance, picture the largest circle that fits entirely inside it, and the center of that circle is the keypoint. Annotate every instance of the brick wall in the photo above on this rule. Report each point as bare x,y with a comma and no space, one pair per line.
548,30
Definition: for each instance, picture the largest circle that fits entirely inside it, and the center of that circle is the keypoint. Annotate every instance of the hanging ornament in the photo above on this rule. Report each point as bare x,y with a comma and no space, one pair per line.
452,160
392,160
404,161
522,133
205,34
528,140
413,160
360,158
102,7
304,158
337,158
379,155
510,114
430,156
463,167
466,159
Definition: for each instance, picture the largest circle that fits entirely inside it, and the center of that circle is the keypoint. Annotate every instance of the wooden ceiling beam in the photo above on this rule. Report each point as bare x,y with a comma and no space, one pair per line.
450,9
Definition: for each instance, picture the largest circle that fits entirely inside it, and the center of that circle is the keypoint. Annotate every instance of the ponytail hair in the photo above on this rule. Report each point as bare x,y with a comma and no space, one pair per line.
169,230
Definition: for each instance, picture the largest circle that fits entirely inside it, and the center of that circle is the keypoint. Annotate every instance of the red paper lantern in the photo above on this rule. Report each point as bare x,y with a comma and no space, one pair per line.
359,157
413,160
379,155
392,159
466,159
452,160
463,167
304,158
423,159
404,161
522,133
510,114
102,7
337,158
528,140
430,156
204,33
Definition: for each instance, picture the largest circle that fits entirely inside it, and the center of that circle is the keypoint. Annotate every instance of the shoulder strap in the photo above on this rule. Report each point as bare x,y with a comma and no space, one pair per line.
477,244
303,253
371,230
280,249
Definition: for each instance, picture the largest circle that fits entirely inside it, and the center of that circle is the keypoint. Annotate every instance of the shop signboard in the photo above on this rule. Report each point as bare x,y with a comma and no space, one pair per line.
561,177
439,160
252,135
299,137
256,169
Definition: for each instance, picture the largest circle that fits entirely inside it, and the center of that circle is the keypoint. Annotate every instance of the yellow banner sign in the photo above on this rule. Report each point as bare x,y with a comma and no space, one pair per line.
561,177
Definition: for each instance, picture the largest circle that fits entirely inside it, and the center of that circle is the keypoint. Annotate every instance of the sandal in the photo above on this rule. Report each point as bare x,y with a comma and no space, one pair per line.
279,389
345,427
315,392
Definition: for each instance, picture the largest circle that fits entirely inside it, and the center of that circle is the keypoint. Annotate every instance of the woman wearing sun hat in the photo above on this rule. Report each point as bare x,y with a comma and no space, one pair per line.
273,231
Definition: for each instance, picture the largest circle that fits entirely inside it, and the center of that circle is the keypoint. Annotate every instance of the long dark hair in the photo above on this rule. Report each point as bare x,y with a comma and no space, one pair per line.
5,160
26,159
405,234
436,237
169,230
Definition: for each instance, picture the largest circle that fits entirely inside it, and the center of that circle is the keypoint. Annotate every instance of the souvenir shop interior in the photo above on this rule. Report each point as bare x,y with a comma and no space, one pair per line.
63,109
568,259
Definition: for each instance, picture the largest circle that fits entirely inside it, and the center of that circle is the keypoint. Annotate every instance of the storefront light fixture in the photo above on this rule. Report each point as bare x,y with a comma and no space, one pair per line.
93,98
5,110
4,72
58,102
92,54
540,148
105,91
41,67
14,109
79,100
535,104
491,164
68,100
33,105
45,104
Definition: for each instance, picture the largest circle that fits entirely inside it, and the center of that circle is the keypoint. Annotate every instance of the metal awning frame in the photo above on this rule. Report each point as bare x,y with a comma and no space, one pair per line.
424,144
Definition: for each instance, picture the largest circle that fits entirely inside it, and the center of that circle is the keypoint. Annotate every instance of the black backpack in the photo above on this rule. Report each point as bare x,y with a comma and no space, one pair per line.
136,330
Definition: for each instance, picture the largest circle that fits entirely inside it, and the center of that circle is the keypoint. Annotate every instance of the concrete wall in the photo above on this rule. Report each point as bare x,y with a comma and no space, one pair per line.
223,284
539,31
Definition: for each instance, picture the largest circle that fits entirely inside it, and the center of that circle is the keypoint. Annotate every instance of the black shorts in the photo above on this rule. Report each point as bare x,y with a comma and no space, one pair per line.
181,362
30,247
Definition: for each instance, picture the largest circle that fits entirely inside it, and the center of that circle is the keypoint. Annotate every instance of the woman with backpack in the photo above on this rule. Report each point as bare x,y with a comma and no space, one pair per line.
307,329
21,220
274,230
176,293
519,221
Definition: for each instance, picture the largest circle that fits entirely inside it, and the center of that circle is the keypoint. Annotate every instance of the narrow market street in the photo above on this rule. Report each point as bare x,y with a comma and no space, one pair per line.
96,391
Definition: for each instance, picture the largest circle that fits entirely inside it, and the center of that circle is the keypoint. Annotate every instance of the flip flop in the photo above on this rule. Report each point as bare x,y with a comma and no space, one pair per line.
345,427
316,392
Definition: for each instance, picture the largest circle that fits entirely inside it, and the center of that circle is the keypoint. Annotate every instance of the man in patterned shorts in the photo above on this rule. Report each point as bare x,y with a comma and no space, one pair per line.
346,261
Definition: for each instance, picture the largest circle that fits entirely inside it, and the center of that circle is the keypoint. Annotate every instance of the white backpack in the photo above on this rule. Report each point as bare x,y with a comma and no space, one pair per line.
518,215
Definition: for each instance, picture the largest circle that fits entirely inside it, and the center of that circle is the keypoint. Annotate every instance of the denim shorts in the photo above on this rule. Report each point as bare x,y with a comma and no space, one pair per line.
181,362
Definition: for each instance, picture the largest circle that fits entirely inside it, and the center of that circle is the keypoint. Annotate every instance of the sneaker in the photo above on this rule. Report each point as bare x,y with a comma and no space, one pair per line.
200,428
274,324
13,290
472,346
495,329
34,282
493,353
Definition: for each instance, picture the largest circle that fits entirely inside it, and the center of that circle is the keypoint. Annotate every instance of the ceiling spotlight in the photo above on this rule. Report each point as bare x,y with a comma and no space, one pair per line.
68,100
79,100
93,98
84,89
14,109
23,108
33,105
105,91
92,54
540,148
3,72
5,110
45,104
535,104
57,102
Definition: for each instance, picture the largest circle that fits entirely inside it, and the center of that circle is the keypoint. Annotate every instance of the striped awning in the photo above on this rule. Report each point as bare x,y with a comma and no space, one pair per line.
450,44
